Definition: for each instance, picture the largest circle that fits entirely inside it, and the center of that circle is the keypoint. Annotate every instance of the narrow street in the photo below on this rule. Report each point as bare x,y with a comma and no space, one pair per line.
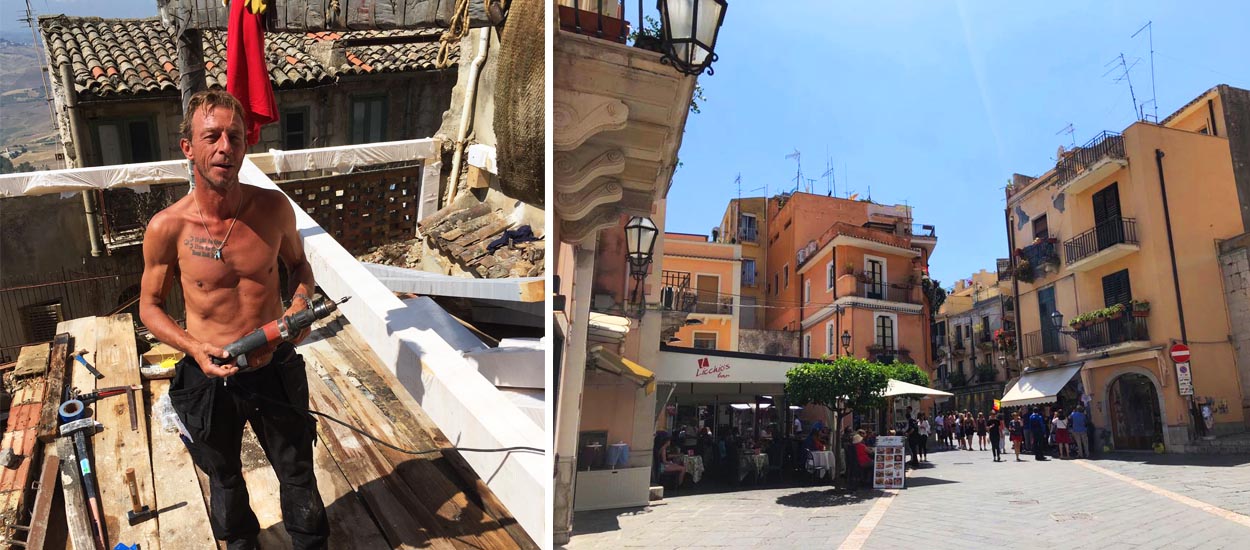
962,499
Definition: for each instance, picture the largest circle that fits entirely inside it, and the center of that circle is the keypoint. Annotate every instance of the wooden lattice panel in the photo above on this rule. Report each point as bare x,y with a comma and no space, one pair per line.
363,209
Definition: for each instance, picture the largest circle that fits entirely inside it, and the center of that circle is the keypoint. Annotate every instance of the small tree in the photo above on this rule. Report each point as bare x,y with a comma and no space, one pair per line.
843,385
907,372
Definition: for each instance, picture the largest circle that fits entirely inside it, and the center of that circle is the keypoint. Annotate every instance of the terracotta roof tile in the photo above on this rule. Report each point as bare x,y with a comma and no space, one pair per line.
129,57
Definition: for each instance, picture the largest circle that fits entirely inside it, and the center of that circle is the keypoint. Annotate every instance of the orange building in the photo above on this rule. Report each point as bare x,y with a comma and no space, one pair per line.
1122,240
745,223
706,276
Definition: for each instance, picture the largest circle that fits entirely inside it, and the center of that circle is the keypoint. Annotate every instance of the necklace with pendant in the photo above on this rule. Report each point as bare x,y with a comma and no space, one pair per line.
217,249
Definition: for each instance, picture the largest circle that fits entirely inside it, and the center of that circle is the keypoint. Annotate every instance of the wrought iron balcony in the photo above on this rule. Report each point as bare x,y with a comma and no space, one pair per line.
1042,342
889,293
748,234
1089,163
597,18
1106,241
1112,331
924,231
1042,251
676,294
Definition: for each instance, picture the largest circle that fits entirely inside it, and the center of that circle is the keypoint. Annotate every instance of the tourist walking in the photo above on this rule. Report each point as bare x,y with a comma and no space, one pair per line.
939,425
994,427
970,427
981,431
1079,432
925,429
1037,430
1016,429
1062,440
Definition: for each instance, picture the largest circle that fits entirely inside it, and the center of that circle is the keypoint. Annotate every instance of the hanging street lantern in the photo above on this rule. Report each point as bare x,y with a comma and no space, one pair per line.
640,235
690,28
846,341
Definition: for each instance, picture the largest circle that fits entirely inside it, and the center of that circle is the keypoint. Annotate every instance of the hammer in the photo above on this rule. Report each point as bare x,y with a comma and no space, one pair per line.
79,356
80,430
138,513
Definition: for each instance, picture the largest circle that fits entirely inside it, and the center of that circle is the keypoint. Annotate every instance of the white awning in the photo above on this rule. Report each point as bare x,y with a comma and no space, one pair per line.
1038,387
898,387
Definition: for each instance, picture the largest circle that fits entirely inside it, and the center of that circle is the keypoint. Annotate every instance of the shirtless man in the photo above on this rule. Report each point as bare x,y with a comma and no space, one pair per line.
223,242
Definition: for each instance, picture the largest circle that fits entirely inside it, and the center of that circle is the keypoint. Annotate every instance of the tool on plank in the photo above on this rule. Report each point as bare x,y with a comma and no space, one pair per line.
80,430
277,330
78,355
73,408
139,512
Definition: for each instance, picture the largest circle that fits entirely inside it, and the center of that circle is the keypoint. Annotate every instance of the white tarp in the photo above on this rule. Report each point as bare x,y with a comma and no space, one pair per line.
70,180
344,158
1038,387
898,387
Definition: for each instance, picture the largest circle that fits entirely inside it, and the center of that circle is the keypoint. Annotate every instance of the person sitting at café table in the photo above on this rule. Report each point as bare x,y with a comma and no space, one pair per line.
864,462
662,463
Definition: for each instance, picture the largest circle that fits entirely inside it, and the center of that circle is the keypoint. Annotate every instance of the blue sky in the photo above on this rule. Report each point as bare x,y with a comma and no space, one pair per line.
935,103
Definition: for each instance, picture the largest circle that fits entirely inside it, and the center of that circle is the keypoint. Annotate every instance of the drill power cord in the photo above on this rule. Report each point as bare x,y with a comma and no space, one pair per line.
249,394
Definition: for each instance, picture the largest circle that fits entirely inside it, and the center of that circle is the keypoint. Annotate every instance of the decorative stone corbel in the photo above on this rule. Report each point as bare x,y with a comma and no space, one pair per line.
575,206
577,116
577,231
574,170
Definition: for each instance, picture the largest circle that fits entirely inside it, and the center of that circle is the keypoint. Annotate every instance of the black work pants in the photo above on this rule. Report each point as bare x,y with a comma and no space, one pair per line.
214,411
996,444
1039,445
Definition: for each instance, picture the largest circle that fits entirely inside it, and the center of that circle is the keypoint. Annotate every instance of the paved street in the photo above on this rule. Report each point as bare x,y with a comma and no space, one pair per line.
962,497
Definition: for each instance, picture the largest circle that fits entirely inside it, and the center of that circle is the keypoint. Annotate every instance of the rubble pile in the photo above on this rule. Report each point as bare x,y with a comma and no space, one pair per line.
485,242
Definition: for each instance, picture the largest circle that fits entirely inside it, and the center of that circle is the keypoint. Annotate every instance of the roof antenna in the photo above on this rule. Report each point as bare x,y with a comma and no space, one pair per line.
1071,131
1150,35
1127,78
798,175
828,173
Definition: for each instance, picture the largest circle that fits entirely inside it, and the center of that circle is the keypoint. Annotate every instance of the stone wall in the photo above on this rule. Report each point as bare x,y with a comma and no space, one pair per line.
1235,264
769,342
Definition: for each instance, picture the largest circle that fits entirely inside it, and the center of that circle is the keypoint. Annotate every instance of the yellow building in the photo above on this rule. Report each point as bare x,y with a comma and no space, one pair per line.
972,357
745,223
1133,221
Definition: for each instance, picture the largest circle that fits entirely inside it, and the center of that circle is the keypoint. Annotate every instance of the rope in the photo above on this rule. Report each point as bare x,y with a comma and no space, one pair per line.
457,30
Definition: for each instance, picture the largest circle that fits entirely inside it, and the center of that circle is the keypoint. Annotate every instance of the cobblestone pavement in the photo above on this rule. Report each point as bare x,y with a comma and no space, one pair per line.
963,499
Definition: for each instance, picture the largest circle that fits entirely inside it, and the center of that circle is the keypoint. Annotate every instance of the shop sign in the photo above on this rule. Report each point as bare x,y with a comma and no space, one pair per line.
1184,379
707,369
888,463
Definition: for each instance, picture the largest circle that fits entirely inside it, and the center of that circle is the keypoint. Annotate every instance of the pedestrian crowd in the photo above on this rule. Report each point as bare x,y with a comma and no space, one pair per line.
1066,435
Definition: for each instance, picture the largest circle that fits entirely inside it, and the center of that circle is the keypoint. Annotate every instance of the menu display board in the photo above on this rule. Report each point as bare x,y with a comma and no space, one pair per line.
888,463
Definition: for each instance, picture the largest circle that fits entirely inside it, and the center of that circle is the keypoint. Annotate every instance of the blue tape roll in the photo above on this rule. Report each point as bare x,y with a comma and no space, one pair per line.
71,410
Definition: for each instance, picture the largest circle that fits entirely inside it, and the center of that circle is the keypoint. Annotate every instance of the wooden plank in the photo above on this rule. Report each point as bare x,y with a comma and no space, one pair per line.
372,478
32,360
409,416
82,337
118,448
351,526
56,379
533,291
448,503
183,520
77,516
41,512
478,178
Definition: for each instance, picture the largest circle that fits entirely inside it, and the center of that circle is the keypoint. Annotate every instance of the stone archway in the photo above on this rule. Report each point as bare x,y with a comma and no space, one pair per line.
1136,418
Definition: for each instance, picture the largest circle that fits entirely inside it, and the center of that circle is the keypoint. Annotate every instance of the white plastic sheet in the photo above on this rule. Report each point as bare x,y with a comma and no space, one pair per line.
345,158
134,176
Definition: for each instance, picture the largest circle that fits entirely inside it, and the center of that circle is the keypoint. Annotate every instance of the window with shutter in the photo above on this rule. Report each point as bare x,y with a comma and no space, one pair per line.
1116,288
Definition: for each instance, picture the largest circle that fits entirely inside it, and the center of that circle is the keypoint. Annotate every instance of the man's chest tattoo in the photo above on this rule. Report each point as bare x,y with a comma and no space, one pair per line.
202,246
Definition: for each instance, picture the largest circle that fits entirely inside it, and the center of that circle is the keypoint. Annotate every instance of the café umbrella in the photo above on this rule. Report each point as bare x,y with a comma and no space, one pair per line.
898,388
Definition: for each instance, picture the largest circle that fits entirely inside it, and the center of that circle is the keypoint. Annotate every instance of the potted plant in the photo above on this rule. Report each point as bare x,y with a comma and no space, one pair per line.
848,269
1024,271
648,37
1115,312
1140,308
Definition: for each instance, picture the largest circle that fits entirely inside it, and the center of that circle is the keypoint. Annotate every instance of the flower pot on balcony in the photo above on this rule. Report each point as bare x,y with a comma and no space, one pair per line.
1141,313
649,43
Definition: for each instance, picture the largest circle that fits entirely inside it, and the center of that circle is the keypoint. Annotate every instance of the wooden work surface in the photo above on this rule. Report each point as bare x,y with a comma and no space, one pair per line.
375,497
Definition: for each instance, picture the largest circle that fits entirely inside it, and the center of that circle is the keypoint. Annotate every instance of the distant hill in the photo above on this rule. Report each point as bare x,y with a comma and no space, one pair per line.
26,121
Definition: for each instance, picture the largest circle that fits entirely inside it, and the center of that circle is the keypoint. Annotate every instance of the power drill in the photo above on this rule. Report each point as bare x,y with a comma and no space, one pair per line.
278,330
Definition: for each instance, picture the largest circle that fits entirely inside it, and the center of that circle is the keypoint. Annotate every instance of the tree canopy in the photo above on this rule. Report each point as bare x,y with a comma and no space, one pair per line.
907,372
858,382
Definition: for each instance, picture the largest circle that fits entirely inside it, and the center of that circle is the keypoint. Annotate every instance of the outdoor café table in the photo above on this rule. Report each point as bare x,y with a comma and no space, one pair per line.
748,462
694,466
822,461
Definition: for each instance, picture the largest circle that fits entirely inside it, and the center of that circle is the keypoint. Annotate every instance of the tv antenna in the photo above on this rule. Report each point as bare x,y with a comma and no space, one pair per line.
798,175
1125,77
1150,36
1071,131
31,21
829,174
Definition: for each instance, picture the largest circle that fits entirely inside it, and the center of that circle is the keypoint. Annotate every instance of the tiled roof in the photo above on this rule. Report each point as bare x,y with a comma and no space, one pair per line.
129,57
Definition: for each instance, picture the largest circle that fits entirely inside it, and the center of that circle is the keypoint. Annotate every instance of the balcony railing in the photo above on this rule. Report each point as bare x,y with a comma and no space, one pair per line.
884,291
959,344
1077,161
923,230
1104,235
676,294
1041,342
710,303
985,336
747,234
1004,269
1113,331
598,18
1042,251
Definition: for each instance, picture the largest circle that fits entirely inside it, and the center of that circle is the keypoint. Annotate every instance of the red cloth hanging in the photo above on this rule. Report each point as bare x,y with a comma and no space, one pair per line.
247,74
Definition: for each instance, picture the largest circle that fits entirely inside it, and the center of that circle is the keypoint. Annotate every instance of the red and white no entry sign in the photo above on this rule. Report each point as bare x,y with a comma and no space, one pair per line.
1180,353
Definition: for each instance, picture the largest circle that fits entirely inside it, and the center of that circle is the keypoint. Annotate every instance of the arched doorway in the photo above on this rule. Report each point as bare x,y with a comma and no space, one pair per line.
1135,419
